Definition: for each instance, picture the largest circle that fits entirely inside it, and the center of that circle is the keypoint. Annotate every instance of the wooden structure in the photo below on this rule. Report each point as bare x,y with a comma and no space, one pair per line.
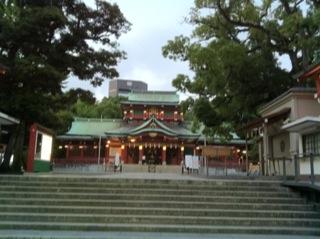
152,131
40,149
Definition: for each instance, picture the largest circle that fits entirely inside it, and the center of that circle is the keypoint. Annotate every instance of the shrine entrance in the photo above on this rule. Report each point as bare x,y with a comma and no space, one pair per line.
153,155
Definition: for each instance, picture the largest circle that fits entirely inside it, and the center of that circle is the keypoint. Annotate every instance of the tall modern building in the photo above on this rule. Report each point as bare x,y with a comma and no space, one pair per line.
120,87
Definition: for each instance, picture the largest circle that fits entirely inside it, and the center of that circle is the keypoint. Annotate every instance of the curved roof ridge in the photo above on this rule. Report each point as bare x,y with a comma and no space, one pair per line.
84,119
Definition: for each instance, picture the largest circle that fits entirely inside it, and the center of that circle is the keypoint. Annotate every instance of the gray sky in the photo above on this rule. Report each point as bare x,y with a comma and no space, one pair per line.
154,22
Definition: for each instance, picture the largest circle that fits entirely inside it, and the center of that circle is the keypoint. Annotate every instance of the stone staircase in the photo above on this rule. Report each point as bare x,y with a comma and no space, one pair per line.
145,205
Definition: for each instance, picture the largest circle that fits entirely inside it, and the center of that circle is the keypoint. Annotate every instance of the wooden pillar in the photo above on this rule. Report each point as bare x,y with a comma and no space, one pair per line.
164,154
265,150
140,154
67,151
130,159
32,147
106,153
81,151
318,86
181,154
124,158
95,150
178,159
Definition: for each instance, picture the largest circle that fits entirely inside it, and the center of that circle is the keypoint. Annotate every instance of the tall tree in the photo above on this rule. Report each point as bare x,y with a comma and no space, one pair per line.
234,51
110,107
106,108
42,42
73,95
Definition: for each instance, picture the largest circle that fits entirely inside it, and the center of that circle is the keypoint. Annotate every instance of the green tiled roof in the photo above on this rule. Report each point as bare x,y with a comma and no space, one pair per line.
151,97
88,128
164,128
177,130
93,127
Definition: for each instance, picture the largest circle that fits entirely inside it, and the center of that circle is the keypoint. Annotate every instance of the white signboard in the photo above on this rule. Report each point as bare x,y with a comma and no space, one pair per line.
43,146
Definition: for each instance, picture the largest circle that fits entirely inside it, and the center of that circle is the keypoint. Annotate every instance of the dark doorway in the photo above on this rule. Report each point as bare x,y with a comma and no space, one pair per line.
153,155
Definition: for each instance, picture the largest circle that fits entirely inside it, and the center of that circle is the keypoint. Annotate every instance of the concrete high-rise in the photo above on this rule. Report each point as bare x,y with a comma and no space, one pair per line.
120,87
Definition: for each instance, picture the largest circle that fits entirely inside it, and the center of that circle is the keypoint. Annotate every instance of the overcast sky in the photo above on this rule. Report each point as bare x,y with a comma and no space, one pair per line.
154,22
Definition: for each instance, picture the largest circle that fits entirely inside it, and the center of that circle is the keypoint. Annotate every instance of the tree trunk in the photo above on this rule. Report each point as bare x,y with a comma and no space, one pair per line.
294,62
13,147
20,156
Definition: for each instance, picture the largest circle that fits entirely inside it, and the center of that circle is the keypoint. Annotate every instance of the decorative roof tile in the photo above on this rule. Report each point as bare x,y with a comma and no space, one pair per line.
151,97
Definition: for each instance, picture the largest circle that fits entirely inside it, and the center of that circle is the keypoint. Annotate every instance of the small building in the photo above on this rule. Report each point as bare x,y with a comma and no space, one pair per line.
152,131
277,138
120,87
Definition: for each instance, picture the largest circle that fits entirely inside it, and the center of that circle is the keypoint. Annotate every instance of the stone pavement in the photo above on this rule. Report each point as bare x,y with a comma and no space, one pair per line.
156,176
28,234
164,176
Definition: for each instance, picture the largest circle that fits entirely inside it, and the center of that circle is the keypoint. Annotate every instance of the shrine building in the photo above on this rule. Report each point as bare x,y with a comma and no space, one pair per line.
152,130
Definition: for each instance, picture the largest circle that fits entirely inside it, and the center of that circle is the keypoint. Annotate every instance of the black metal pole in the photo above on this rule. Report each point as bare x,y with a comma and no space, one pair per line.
312,168
296,174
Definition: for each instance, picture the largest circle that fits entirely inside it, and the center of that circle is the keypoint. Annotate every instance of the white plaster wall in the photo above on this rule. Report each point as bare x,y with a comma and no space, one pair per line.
276,142
286,103
307,106
301,104
305,166
276,167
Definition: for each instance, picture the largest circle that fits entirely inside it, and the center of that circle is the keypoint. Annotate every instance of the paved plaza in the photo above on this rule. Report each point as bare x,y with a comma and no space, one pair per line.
133,235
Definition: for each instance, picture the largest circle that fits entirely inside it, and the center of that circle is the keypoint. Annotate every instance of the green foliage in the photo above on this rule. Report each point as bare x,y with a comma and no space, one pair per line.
73,95
81,103
253,153
82,109
63,121
110,108
42,42
107,108
232,52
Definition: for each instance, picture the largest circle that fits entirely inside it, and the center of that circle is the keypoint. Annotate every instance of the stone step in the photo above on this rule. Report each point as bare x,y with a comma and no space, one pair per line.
97,180
158,211
161,197
154,204
18,225
98,203
25,189
8,185
160,219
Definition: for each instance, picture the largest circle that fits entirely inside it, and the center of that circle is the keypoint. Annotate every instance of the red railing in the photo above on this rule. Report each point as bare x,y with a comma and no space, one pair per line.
225,163
77,161
159,117
82,161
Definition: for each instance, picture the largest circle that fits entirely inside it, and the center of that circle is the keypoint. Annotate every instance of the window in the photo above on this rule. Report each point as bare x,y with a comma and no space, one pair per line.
138,113
168,113
311,143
